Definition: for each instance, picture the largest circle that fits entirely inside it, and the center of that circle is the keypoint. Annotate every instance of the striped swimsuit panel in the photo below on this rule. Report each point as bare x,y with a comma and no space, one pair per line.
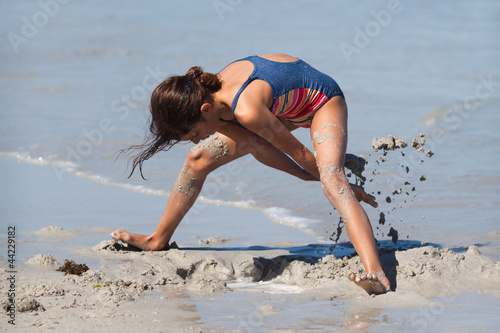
298,105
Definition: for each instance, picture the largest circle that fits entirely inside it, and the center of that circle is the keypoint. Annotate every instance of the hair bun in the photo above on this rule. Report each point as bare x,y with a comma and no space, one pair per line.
208,80
197,74
194,72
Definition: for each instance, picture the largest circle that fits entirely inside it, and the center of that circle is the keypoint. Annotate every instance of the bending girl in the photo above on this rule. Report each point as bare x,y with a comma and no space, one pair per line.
251,107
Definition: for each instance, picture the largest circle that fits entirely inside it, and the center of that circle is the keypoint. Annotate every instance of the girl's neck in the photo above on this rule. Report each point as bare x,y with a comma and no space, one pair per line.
223,109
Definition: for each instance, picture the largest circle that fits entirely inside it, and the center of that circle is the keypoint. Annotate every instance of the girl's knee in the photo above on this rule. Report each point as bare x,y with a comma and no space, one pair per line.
331,173
196,163
335,183
208,155
201,161
336,190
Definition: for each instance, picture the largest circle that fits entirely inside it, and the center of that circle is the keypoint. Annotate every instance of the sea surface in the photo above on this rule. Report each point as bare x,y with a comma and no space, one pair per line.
76,77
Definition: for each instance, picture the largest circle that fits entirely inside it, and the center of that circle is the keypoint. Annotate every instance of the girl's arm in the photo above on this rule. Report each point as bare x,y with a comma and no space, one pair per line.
264,152
255,116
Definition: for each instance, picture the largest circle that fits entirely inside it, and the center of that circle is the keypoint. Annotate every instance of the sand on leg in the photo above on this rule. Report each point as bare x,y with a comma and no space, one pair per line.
329,136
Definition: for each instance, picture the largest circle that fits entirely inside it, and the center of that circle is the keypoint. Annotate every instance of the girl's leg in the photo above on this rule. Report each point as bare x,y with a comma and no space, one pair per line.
201,160
329,136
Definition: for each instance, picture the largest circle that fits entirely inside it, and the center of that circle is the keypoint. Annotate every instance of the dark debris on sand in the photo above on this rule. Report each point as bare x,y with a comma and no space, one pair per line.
70,267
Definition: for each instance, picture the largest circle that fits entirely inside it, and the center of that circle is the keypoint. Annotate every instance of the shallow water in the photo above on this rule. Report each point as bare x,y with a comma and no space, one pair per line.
261,312
75,80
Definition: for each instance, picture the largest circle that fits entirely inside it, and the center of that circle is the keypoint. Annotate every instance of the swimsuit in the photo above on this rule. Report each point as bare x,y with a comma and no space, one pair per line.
299,90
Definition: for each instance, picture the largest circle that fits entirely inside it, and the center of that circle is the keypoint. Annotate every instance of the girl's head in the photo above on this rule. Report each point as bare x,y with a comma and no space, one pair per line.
175,109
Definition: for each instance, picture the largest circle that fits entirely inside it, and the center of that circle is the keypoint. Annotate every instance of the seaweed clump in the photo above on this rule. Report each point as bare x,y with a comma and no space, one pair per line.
70,267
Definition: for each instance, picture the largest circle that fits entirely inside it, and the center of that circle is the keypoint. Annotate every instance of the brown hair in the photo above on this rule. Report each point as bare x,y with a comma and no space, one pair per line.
175,108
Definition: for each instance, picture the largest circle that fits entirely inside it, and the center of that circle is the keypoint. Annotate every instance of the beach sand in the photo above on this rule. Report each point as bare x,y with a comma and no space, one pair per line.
246,275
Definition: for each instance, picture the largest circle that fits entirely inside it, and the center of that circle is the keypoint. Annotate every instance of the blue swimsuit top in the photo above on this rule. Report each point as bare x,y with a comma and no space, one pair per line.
299,90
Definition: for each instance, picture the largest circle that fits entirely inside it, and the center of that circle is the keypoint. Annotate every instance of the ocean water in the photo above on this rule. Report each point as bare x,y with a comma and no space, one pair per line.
76,77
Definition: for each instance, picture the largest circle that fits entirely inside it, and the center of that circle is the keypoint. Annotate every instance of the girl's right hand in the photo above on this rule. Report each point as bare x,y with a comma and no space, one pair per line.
361,195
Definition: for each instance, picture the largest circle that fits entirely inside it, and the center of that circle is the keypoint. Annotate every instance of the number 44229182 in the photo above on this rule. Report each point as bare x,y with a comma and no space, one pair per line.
11,247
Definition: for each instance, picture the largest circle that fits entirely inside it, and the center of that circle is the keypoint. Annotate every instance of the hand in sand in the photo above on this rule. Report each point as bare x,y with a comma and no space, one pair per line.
372,283
361,195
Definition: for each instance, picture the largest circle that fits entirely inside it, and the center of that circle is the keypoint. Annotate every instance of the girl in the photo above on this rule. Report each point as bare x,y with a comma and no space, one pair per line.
252,106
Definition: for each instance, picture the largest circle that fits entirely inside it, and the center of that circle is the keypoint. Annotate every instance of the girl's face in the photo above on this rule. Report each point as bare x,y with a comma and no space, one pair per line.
199,132
208,125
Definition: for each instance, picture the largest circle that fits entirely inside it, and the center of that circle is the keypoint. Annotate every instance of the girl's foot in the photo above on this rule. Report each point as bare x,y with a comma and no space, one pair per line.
140,241
375,283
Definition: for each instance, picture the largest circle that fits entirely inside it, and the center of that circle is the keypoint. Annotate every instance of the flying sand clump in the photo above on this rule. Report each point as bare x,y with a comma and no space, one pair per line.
388,143
401,183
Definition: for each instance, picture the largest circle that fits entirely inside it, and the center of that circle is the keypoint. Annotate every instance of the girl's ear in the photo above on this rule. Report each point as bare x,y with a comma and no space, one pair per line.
207,107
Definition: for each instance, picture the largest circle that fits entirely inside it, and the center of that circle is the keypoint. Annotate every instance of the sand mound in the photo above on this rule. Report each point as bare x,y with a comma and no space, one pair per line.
43,260
53,233
429,270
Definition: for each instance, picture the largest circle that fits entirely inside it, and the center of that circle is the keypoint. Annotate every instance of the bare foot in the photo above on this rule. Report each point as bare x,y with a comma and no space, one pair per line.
140,241
371,283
